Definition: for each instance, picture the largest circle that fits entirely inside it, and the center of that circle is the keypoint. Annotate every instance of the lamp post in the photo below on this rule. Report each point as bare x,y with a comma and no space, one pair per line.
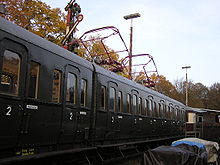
186,67
131,16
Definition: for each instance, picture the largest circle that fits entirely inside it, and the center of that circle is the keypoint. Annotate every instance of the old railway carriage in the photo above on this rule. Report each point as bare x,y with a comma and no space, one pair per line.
51,99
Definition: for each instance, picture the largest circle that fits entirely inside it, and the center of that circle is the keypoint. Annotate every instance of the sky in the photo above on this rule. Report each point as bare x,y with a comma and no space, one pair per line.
176,33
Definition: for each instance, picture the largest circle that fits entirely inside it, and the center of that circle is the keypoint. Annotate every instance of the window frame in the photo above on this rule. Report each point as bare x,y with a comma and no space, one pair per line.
85,91
134,104
128,103
37,83
146,107
103,97
140,107
114,99
75,92
59,87
17,89
151,107
120,101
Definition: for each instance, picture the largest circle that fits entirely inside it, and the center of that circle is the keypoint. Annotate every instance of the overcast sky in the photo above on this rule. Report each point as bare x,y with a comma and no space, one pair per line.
175,32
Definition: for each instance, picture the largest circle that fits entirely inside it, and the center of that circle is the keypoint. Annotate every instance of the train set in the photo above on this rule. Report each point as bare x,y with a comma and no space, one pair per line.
51,100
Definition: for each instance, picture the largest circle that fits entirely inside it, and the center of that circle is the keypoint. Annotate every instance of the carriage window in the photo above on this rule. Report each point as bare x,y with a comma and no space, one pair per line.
71,88
155,110
135,104
112,96
10,73
120,101
56,86
183,115
103,94
33,80
200,118
140,106
83,92
176,113
162,109
191,117
151,107
146,108
218,118
128,103
171,111
159,110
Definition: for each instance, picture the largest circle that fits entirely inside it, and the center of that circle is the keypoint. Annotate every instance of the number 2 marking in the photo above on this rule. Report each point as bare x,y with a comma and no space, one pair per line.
71,115
9,111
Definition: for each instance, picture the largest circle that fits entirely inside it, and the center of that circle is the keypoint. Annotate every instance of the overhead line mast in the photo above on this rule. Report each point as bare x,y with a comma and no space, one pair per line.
123,65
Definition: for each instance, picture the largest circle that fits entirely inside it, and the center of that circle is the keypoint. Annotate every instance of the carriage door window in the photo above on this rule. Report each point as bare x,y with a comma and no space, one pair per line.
135,104
171,110
33,80
162,109
159,110
10,73
140,106
128,103
71,88
56,86
146,108
151,107
103,94
83,92
155,110
112,96
183,117
120,108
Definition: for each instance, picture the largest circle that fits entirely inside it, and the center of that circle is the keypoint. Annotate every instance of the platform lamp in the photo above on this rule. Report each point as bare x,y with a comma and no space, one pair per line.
131,16
186,67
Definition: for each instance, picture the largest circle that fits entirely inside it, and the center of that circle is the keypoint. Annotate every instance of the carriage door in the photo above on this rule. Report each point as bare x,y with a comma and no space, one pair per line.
12,82
199,126
136,120
69,125
112,111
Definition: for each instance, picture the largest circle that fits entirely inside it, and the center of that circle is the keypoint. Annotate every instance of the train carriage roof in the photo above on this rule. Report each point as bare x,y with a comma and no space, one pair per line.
22,33
201,110
134,84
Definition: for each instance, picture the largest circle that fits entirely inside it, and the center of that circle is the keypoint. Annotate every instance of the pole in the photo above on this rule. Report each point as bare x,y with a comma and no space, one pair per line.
186,89
187,84
130,51
131,16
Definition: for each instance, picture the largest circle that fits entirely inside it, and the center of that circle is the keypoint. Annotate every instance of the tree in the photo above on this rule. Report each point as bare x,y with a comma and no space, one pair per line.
164,86
197,93
37,17
201,94
96,48
214,96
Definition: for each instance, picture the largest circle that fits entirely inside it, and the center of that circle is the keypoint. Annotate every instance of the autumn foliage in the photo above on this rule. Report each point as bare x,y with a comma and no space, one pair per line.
37,17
